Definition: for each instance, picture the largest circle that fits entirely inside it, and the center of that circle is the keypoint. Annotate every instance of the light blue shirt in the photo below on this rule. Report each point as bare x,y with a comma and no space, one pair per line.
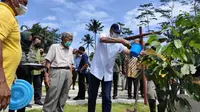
77,61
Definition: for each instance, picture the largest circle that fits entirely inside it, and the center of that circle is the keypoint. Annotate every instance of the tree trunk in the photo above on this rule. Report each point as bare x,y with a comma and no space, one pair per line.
95,40
195,8
88,51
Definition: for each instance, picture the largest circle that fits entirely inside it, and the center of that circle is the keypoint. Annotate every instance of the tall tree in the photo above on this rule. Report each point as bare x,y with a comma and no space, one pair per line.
88,41
195,4
94,26
147,14
48,35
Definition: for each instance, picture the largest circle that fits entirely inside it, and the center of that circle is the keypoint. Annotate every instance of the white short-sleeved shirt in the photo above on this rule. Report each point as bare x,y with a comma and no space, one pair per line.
104,59
60,56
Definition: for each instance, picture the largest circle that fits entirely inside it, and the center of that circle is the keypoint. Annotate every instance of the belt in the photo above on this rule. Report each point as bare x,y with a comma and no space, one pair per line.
67,67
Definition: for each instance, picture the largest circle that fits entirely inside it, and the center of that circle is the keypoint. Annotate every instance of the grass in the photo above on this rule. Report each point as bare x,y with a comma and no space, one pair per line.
117,107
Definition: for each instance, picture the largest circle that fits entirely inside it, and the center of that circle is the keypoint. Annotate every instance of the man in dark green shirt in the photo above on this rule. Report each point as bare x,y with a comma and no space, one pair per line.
116,70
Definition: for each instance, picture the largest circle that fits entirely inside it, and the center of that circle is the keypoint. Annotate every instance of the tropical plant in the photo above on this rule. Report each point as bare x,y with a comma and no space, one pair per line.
95,26
175,61
48,35
88,41
147,14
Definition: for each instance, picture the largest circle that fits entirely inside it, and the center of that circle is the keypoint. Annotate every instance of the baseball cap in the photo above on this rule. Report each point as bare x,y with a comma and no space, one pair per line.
116,28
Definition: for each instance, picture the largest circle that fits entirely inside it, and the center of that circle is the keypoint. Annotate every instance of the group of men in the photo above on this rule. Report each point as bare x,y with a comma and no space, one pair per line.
59,63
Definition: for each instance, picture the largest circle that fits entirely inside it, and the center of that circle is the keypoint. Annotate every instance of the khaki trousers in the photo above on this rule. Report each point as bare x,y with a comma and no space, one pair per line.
57,93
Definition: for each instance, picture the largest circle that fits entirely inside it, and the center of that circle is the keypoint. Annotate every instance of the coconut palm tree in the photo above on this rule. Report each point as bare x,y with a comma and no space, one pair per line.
87,41
95,26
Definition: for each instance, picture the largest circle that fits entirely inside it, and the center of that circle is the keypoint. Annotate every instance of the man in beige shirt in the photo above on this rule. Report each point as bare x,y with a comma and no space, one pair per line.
58,73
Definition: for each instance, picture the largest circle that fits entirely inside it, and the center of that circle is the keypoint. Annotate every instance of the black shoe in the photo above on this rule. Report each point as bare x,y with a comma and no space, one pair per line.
29,106
68,97
78,98
73,88
114,97
38,103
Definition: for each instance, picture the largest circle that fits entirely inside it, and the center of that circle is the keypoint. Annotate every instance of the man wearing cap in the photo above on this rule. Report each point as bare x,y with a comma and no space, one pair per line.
102,67
58,74
10,48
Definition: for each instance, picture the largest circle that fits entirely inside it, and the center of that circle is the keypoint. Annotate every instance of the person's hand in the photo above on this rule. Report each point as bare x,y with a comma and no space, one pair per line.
126,43
4,94
143,53
47,79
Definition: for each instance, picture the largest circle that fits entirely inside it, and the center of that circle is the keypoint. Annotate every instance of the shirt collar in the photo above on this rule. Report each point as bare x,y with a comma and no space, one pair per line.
62,47
8,7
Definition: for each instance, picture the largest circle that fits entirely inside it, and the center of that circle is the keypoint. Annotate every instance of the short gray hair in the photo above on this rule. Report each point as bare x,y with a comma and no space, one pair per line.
66,35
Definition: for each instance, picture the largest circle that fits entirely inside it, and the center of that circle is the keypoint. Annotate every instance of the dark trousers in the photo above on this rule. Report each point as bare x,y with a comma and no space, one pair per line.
23,72
93,91
130,82
81,85
74,77
37,83
115,83
152,105
141,88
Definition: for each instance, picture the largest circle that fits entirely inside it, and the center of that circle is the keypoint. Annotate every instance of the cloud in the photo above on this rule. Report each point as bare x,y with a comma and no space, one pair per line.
131,22
91,14
51,25
50,18
59,1
74,34
57,9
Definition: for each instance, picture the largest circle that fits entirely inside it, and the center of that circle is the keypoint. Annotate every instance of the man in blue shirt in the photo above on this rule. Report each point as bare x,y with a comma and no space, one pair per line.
82,69
77,60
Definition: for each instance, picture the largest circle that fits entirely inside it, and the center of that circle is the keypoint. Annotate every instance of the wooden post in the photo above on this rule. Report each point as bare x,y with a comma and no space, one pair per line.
143,74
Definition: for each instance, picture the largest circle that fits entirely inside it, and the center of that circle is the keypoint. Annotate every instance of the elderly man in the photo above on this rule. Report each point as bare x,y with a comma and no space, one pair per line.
102,67
58,73
9,46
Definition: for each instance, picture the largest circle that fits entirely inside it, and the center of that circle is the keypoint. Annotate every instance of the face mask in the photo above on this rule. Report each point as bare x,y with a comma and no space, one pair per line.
21,9
115,35
67,44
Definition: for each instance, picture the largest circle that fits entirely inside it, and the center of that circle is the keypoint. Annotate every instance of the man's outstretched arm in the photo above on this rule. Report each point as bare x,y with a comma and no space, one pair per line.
115,40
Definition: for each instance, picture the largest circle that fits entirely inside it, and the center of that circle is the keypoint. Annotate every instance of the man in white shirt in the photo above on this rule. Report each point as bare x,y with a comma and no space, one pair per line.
102,67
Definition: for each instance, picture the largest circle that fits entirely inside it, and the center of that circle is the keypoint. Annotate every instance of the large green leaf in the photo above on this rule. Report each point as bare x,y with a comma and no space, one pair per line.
159,49
185,70
152,38
188,30
175,32
178,44
192,69
155,43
